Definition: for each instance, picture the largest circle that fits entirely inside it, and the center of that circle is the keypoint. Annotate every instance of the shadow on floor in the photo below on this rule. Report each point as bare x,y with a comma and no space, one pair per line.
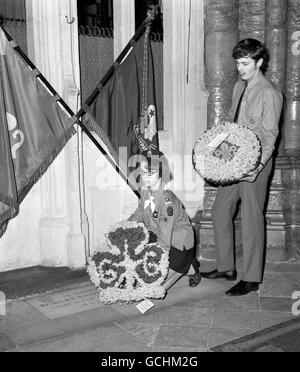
283,337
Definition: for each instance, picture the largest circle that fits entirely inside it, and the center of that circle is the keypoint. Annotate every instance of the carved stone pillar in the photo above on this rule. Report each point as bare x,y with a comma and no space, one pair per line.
252,19
275,39
185,96
221,35
292,114
291,177
53,47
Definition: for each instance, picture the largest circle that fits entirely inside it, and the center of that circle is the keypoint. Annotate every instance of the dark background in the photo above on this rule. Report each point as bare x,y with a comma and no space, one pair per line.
100,13
97,13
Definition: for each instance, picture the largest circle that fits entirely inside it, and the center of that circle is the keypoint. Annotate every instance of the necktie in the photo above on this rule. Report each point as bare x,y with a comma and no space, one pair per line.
237,112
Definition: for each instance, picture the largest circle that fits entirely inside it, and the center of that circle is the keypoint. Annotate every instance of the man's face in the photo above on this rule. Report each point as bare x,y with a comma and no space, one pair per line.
248,67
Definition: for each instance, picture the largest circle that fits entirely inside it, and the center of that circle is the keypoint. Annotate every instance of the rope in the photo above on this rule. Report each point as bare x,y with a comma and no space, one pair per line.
145,73
189,40
151,14
79,149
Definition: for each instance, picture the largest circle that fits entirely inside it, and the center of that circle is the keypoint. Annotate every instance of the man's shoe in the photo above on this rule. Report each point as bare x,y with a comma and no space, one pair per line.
243,288
215,274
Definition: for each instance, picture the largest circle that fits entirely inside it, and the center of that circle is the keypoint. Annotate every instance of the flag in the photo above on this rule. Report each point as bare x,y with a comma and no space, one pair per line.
124,112
33,129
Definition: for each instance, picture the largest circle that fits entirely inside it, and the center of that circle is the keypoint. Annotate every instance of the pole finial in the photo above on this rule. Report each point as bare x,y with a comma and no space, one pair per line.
152,12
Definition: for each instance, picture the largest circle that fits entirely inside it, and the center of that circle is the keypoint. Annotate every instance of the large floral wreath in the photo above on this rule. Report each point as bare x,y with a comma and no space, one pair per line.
226,153
128,268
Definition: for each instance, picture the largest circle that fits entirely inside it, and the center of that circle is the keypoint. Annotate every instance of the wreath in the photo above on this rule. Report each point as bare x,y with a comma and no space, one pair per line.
128,268
226,153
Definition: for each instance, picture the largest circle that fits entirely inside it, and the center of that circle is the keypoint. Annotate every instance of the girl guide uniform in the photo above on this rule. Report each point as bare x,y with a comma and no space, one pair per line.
168,223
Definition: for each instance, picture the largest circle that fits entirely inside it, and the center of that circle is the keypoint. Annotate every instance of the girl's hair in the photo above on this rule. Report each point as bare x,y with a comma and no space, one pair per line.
254,49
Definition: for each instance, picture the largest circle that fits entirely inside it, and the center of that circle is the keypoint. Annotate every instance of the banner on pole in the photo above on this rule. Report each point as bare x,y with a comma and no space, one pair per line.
33,129
123,114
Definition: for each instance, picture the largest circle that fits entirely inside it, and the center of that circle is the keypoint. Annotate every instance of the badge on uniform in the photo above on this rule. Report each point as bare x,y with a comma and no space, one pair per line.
170,211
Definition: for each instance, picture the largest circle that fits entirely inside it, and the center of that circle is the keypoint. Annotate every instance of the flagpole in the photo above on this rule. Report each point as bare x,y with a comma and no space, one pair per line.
152,13
71,113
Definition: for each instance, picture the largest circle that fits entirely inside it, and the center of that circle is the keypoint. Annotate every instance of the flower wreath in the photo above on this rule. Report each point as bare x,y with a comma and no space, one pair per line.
228,162
128,268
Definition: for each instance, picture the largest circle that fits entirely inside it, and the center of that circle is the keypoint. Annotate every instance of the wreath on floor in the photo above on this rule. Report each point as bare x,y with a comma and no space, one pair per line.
128,268
226,153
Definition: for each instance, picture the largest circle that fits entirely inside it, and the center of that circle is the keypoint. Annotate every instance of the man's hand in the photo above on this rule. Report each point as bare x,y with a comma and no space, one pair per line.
251,176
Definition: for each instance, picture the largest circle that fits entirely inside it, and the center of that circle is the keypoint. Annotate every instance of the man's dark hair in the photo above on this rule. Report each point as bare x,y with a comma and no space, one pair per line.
254,49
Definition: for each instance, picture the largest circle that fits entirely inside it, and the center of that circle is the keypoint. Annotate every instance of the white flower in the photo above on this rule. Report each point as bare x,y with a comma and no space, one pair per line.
235,157
122,273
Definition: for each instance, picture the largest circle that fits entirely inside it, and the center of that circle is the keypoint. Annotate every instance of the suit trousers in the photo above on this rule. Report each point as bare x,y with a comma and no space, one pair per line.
253,198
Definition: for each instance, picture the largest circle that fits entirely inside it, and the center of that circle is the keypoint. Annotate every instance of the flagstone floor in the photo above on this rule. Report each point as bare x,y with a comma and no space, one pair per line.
70,319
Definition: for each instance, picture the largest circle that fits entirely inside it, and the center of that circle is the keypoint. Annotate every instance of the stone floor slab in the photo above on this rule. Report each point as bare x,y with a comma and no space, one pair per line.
276,304
176,296
114,338
182,336
18,314
237,319
59,304
164,349
178,316
279,285
221,301
5,343
220,336
51,328
144,332
106,338
271,318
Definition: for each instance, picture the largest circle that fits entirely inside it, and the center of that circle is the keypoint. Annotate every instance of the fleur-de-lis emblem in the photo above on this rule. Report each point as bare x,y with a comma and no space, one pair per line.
226,151
16,134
